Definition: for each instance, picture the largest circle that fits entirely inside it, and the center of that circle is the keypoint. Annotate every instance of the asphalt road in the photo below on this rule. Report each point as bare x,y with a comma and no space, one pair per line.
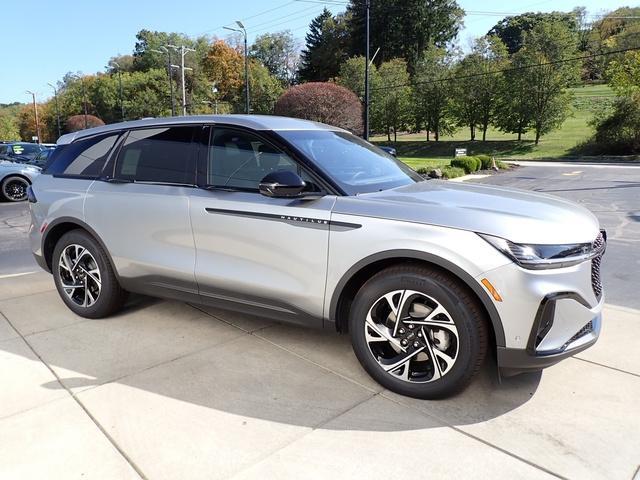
612,193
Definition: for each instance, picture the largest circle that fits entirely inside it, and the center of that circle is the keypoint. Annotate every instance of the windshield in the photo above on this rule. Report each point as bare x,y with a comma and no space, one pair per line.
354,164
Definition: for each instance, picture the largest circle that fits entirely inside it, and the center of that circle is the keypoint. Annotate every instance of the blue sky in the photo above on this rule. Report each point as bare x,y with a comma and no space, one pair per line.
43,39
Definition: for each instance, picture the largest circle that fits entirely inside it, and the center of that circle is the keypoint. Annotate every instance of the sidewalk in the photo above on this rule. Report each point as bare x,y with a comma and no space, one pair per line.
166,390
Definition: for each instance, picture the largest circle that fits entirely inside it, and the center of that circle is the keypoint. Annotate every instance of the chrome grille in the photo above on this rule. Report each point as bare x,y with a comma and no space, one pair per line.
596,281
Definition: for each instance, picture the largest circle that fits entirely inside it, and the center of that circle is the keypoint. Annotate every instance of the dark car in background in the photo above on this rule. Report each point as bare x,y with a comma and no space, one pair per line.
21,152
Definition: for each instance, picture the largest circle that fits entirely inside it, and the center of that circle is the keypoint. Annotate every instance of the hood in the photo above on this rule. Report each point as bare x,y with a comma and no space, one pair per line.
517,215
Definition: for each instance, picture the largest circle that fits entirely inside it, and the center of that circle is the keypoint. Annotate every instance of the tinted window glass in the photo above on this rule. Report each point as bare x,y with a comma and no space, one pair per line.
164,155
83,158
240,160
356,165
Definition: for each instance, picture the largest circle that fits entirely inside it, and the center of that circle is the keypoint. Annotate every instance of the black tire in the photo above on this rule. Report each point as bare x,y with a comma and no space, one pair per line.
462,311
14,188
111,296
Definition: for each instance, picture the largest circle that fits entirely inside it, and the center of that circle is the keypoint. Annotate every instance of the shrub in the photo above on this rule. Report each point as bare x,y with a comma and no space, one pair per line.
468,164
322,102
619,133
422,171
452,172
486,162
76,122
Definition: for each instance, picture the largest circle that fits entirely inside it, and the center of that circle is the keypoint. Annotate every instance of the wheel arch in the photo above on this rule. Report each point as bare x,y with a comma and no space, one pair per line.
57,228
21,175
359,273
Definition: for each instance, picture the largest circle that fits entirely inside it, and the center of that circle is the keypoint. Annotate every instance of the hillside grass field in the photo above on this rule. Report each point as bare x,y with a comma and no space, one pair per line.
415,151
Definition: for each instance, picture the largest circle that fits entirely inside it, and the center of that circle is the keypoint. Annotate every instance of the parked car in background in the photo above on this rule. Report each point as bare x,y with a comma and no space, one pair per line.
20,151
40,160
304,222
15,178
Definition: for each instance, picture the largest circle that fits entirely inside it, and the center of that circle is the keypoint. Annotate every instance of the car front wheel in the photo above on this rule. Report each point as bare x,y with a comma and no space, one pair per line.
418,332
84,276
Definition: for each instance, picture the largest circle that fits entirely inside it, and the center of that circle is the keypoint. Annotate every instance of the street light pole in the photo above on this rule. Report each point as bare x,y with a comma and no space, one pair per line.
183,51
366,72
120,87
246,64
35,111
84,98
55,97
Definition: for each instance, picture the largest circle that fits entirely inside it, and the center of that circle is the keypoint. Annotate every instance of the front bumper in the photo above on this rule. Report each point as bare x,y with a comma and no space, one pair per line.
547,315
556,344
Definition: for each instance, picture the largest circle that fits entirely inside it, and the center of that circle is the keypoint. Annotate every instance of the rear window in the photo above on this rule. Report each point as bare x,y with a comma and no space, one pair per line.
83,159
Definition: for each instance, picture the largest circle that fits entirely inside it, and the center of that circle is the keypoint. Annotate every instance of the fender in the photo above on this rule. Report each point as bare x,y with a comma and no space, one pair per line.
80,224
453,269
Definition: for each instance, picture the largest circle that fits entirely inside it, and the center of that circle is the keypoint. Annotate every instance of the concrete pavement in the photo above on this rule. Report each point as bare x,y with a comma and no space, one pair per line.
166,390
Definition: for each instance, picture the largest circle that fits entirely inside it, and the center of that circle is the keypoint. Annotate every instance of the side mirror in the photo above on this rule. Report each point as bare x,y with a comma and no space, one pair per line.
390,150
282,184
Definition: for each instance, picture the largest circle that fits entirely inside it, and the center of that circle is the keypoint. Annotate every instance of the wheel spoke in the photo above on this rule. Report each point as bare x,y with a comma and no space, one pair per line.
436,367
405,361
383,332
78,278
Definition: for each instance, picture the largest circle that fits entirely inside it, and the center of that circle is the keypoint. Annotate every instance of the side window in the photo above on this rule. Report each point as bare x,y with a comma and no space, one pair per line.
84,158
241,160
164,155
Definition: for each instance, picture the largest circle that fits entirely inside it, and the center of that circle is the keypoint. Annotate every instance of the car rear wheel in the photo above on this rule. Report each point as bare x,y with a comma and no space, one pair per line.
418,332
14,188
84,276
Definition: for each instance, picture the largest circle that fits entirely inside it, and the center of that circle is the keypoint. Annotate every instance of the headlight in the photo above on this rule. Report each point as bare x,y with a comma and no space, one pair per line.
538,257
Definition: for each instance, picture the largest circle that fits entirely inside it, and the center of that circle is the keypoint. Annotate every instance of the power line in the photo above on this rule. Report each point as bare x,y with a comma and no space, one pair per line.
264,12
505,70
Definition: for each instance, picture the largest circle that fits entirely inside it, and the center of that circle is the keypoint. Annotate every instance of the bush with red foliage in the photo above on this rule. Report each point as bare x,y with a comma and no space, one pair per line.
76,122
322,102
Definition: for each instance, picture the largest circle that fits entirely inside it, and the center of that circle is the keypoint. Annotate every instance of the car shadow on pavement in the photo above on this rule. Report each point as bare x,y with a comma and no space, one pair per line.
244,366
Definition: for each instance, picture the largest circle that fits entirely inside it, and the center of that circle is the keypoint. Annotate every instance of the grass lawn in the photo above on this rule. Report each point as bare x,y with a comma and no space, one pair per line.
414,150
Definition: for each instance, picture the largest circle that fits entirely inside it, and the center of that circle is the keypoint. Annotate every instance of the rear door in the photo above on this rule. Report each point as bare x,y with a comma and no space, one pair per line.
141,211
257,254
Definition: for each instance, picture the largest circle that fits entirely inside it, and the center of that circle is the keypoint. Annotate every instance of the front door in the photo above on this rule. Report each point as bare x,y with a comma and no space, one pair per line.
254,253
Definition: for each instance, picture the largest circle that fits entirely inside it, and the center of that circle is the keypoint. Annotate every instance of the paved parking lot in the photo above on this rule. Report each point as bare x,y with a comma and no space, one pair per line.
166,390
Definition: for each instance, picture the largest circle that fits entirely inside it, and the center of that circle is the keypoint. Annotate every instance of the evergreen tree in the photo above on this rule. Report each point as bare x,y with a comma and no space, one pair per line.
325,48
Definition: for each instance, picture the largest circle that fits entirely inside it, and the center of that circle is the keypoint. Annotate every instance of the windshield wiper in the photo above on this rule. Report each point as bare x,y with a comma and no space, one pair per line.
219,189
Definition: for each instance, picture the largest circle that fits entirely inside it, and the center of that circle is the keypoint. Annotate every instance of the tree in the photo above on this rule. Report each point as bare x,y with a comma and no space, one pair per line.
619,132
404,28
278,52
513,114
325,48
624,74
8,124
322,102
77,122
224,66
391,111
511,30
548,99
265,89
478,88
432,94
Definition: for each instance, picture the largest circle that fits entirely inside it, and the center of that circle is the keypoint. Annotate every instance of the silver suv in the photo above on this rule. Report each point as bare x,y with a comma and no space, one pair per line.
303,222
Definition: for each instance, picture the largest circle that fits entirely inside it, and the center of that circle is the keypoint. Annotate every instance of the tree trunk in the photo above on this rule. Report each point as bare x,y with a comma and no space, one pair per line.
537,136
427,134
473,132
388,135
484,133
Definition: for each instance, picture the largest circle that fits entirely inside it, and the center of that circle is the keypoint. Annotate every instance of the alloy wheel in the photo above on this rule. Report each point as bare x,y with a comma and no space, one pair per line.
15,189
79,275
411,336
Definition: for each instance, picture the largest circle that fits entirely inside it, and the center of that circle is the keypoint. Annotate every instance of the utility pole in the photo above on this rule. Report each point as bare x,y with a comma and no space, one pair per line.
366,71
84,98
35,112
183,51
55,97
246,64
120,86
165,51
